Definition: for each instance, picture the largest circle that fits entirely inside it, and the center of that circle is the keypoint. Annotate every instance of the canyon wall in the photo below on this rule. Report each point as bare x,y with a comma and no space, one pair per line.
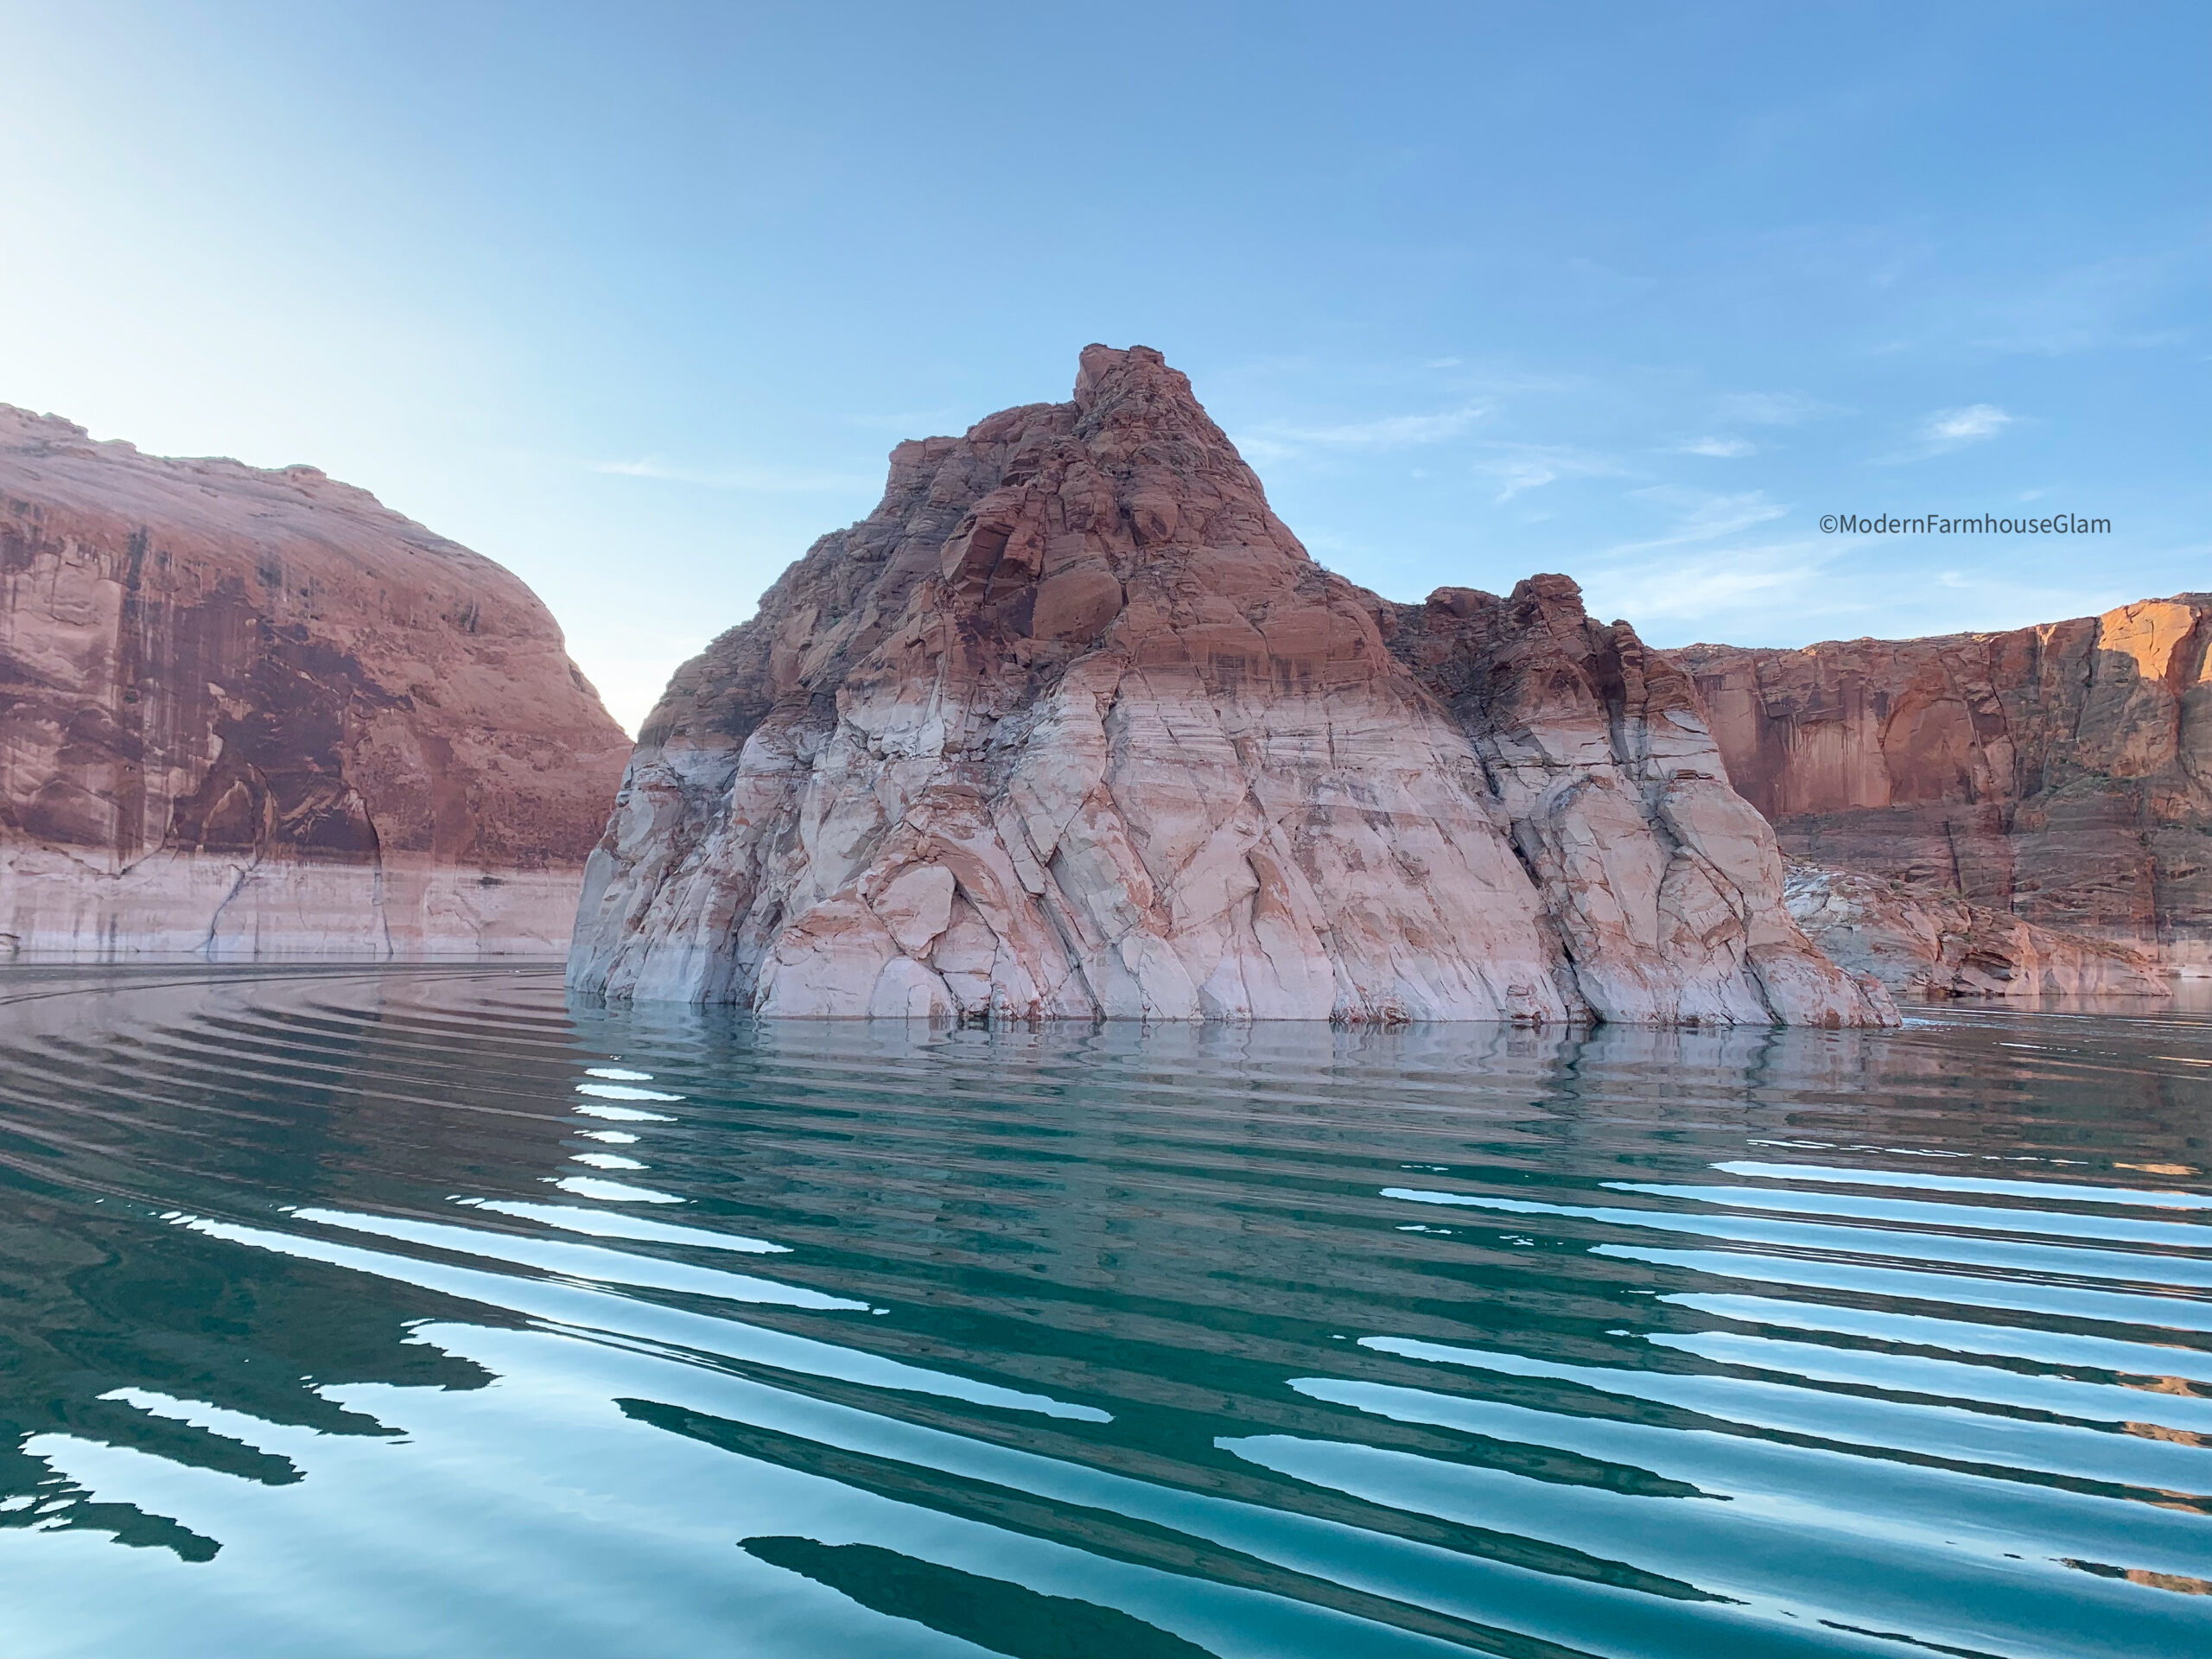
2061,775
1927,944
254,712
1072,726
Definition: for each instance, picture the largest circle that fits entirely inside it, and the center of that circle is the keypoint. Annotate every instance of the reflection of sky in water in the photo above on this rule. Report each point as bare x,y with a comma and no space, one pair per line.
1262,1342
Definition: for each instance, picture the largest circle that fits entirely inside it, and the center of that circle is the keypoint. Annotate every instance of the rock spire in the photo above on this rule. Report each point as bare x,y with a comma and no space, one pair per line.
1072,726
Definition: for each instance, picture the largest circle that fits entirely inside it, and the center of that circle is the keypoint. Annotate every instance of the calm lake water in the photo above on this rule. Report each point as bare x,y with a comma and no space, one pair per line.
404,1313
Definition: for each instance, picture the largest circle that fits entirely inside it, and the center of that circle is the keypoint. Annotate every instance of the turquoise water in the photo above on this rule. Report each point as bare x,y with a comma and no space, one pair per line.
416,1312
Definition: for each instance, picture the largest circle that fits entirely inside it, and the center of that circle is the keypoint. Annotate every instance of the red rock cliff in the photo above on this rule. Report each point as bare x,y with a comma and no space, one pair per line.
2061,773
1072,726
245,710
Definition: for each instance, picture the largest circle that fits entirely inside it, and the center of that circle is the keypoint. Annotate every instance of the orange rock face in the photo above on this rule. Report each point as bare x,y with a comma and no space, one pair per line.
250,711
1072,726
2061,774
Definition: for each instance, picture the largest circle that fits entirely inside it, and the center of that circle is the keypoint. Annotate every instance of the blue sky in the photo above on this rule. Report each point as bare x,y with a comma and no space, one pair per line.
635,298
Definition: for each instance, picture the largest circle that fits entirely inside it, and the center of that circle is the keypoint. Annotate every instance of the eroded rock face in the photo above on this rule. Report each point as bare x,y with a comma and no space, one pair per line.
2062,774
1659,879
1072,726
246,711
1923,943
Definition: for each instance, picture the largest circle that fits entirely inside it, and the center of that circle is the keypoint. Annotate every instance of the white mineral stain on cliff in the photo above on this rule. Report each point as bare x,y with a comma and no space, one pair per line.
1933,944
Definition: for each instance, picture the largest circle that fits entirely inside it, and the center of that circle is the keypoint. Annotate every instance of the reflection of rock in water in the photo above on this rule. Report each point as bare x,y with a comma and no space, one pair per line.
131,1093
1307,1101
992,1613
1097,1157
1075,1328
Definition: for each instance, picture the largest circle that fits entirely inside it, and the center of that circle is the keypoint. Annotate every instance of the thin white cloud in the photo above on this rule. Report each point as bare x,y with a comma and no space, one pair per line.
1771,407
1514,476
1700,517
1519,467
766,479
1700,583
1441,362
1263,452
1949,428
1719,448
1792,593
1713,591
1275,439
1998,599
2104,304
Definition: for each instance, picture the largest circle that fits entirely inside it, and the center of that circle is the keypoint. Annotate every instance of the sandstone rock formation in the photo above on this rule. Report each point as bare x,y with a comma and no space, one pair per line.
1923,943
1072,726
2061,774
246,711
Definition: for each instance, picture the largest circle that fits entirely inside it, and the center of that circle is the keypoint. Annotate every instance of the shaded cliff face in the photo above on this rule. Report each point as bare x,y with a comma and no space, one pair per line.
2061,773
249,710
1656,875
1072,726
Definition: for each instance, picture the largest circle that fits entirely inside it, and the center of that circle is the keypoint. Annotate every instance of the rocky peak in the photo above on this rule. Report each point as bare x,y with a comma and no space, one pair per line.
1070,726
1130,397
1536,654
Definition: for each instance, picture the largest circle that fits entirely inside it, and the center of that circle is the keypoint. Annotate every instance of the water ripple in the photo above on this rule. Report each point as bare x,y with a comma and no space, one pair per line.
1264,1342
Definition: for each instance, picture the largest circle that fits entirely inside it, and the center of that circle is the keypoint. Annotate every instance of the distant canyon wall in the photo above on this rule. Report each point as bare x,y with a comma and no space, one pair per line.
1070,726
254,712
2061,774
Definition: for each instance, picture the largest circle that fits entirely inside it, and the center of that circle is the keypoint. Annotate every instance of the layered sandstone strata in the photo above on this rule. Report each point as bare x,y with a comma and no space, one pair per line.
1072,726
2061,774
1924,944
246,711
